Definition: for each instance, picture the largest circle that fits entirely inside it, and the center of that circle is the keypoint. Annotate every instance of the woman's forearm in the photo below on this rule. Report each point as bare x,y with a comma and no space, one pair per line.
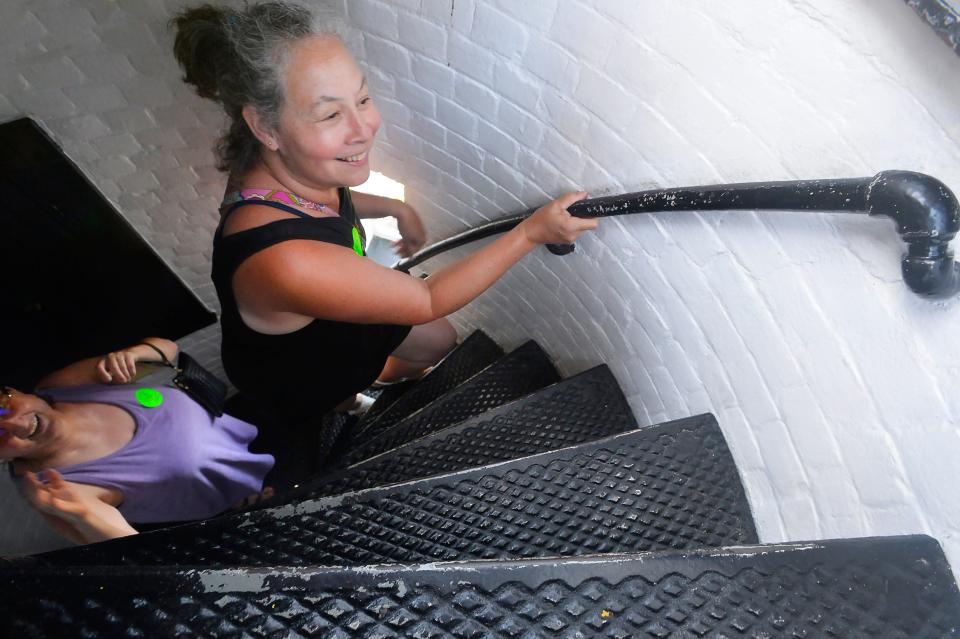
370,206
452,287
146,354
85,371
102,523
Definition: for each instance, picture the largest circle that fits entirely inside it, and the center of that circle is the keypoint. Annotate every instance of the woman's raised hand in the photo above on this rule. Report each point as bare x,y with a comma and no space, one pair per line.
553,224
80,517
119,367
56,498
412,233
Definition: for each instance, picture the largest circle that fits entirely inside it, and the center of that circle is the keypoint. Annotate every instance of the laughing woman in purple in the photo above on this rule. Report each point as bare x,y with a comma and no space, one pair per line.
94,451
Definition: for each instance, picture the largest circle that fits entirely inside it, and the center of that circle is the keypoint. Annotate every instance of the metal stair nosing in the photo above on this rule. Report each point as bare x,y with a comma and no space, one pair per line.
587,406
883,588
670,485
467,359
522,371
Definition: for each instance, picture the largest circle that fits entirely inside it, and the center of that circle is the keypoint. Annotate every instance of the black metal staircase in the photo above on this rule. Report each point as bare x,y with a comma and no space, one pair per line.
493,499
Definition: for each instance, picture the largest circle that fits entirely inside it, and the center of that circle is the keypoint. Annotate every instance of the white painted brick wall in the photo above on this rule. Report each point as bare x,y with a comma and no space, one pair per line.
836,387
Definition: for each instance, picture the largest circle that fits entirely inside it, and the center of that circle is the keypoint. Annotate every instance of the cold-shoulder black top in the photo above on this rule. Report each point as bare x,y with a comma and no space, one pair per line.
299,375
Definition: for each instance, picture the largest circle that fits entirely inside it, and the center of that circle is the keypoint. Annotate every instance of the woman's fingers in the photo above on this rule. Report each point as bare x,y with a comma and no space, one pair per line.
54,479
32,486
585,223
115,372
403,248
566,227
39,494
130,363
123,365
55,497
568,199
102,372
118,368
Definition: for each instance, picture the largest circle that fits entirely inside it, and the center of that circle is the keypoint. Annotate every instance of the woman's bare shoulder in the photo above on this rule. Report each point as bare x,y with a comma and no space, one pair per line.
251,216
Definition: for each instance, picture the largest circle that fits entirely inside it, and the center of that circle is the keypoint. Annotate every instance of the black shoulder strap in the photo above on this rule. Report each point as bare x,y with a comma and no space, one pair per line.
275,205
348,212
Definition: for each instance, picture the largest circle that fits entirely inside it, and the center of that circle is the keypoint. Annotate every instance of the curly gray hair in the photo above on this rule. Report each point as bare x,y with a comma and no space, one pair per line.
237,58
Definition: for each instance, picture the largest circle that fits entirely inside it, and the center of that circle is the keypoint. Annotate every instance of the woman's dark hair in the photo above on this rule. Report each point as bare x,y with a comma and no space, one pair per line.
236,57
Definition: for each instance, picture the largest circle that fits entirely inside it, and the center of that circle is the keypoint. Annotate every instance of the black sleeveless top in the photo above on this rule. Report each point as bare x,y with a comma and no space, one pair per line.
303,374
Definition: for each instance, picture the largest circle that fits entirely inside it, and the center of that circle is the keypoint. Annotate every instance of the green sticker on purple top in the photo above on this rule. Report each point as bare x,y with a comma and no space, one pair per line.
149,397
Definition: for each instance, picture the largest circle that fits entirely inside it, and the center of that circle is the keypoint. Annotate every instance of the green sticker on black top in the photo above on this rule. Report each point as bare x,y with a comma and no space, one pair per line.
357,242
149,397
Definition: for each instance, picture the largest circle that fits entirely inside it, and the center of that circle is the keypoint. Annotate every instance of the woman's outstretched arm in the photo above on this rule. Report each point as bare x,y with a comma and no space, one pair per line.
118,367
315,279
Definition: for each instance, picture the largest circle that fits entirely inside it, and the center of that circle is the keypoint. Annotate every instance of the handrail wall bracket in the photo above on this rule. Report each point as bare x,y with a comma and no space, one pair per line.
927,215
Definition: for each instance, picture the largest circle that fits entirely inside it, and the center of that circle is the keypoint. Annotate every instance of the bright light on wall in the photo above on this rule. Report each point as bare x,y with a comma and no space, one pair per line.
380,184
384,227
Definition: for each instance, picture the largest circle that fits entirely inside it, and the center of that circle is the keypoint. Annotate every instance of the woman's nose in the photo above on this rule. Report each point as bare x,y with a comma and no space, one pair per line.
17,424
360,128
356,130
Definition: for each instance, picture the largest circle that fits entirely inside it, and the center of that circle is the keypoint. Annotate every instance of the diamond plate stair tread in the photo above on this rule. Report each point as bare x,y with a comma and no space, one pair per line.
522,371
581,408
470,357
673,485
887,588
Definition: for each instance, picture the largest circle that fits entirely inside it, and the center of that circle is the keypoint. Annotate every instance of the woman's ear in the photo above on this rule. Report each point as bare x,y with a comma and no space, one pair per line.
260,130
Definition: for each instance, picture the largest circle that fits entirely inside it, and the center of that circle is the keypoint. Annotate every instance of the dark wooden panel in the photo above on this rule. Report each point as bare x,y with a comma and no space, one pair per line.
77,278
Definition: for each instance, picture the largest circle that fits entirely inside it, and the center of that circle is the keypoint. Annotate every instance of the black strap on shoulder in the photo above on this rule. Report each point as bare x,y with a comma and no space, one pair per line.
275,205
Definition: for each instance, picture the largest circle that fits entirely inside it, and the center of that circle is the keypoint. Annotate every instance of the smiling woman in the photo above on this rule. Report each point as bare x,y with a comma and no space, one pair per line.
308,322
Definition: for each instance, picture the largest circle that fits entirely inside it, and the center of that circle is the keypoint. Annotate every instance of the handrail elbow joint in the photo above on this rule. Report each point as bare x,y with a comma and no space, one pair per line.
927,216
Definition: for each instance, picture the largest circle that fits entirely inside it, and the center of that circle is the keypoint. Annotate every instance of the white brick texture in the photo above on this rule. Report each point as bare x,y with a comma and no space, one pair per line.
835,386
838,390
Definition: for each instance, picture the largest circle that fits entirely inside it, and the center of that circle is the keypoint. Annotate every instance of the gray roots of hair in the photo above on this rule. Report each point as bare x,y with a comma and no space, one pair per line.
237,57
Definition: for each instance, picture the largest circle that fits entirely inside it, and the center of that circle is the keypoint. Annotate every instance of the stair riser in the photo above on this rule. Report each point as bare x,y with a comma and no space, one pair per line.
580,409
522,371
469,358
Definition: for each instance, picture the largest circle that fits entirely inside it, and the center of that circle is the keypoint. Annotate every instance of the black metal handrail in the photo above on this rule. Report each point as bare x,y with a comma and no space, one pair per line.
926,212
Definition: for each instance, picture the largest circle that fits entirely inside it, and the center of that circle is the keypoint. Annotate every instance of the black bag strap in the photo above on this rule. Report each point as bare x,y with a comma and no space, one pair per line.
166,362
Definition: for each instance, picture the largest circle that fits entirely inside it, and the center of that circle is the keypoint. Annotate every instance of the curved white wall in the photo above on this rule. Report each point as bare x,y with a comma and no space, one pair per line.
836,387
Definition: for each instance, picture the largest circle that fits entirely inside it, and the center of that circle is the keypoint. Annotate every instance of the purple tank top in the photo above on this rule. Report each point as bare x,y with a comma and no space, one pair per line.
181,464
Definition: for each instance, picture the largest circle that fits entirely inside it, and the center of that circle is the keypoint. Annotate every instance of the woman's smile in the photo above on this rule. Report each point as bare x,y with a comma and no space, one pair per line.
356,160
36,422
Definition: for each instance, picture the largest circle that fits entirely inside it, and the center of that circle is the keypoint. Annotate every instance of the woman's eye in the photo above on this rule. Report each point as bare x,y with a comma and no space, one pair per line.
365,101
330,117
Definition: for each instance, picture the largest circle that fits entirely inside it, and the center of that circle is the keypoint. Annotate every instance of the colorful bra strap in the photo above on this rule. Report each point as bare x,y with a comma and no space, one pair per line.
276,200
282,197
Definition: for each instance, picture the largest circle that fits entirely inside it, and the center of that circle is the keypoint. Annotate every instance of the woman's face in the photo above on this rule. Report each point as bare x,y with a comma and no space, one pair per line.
26,423
328,121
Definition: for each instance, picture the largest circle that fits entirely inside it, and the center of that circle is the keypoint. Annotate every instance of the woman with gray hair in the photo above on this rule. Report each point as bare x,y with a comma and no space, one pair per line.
307,321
